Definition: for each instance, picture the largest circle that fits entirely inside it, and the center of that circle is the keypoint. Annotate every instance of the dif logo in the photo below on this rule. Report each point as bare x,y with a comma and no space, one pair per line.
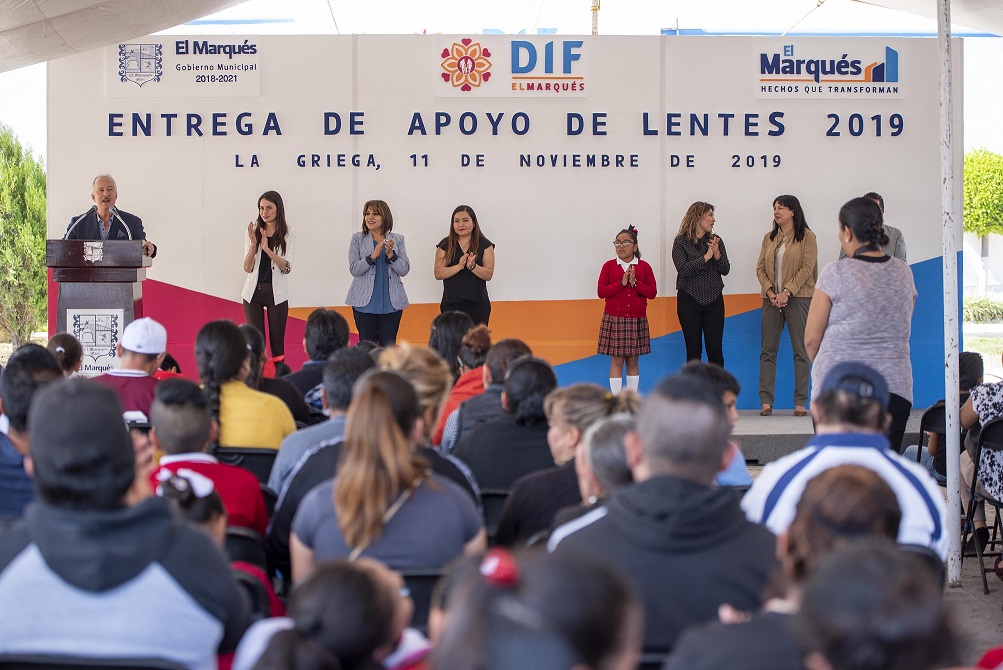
526,58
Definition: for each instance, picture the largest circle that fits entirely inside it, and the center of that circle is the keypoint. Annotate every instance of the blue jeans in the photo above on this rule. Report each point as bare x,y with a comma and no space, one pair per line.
926,460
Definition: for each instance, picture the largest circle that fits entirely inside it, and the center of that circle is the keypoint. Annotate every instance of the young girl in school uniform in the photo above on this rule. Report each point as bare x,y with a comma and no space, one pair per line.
626,283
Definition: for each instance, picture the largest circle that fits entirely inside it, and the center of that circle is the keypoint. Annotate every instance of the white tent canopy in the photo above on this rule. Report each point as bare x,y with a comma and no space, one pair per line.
984,15
33,31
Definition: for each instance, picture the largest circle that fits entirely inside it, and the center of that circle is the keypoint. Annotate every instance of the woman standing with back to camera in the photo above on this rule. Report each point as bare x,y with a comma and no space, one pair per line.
377,260
268,255
787,269
862,311
465,262
701,260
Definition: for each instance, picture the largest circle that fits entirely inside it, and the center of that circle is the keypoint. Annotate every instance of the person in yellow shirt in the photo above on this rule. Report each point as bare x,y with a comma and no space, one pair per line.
247,418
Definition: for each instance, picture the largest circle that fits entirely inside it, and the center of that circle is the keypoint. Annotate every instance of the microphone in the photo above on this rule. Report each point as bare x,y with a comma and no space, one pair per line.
114,210
78,220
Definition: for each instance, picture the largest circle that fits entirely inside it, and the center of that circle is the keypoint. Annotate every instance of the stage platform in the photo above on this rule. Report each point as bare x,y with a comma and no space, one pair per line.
766,438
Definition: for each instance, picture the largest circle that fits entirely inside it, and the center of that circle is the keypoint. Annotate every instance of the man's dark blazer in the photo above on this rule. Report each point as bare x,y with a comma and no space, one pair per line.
89,227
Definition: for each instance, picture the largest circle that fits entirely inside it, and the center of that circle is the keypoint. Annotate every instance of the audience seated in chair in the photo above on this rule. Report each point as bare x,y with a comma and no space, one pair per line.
431,379
843,503
871,607
540,611
735,473
196,498
984,404
326,332
485,406
385,502
182,431
474,349
88,575
673,521
280,388
934,457
347,615
601,465
537,497
246,418
501,451
340,373
850,414
29,369
140,352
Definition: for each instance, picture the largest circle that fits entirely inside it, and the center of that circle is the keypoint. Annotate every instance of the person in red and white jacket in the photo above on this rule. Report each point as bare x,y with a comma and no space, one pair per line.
626,283
181,431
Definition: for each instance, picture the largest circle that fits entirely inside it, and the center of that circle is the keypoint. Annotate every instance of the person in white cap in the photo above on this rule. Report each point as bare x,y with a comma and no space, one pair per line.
140,352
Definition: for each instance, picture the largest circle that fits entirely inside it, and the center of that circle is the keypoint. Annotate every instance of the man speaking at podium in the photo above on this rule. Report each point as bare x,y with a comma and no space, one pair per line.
104,221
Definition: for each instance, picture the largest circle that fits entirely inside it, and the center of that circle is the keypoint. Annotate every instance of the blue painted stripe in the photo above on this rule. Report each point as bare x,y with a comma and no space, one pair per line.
742,349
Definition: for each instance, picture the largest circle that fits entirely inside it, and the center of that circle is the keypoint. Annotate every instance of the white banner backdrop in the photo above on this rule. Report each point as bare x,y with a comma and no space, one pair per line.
556,142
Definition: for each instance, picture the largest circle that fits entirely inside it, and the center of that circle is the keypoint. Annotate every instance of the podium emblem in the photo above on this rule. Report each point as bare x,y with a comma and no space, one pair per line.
93,252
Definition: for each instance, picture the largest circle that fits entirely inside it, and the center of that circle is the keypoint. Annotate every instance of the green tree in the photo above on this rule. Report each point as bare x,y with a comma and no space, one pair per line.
983,192
23,281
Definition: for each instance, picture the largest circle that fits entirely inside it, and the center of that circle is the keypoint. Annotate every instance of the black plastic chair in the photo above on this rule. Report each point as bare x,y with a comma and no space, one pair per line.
991,437
934,420
421,583
256,460
244,544
257,594
271,497
50,662
494,502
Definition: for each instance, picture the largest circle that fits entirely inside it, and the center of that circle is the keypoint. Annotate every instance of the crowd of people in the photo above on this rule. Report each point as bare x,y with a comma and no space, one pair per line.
624,539
631,533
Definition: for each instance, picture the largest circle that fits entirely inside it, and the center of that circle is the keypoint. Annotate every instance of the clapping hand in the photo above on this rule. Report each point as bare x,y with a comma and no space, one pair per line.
389,245
469,259
713,247
633,275
250,234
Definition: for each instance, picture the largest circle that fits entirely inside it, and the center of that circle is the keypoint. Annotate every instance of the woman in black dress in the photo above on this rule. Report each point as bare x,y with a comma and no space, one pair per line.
465,262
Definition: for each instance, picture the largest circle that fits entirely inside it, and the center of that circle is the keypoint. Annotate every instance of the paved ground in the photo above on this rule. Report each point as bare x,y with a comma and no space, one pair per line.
979,617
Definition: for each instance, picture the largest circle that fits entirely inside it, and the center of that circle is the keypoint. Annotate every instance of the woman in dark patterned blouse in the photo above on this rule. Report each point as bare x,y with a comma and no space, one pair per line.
701,260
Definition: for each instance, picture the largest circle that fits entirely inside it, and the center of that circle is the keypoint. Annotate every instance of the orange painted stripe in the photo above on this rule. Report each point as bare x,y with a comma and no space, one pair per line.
559,331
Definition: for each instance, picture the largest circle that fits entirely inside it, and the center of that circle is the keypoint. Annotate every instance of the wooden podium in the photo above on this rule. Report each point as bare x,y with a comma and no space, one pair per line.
98,276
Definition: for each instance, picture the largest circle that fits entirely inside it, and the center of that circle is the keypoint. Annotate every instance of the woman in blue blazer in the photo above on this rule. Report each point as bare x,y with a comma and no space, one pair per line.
377,260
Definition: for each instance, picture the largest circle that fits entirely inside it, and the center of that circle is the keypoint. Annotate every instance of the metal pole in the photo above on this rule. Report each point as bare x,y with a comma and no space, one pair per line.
951,395
595,17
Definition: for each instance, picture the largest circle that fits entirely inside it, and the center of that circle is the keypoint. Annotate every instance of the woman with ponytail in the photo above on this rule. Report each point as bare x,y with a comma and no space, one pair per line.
626,283
862,311
537,497
385,502
541,611
282,389
247,418
502,450
68,352
346,616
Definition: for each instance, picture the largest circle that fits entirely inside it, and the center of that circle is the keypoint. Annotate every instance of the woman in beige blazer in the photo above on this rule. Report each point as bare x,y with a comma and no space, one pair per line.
787,270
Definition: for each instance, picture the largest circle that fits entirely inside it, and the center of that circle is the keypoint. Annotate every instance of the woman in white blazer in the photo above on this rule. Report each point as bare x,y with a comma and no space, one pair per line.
268,256
377,260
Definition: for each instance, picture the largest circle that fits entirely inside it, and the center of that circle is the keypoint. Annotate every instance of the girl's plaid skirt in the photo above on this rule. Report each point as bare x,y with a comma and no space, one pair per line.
621,336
